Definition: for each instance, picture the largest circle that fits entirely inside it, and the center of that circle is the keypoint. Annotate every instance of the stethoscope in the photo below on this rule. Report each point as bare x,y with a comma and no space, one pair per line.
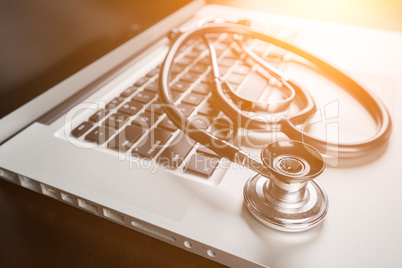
283,194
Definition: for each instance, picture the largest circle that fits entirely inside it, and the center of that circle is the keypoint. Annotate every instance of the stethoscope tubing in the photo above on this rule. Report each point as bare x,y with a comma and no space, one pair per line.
287,125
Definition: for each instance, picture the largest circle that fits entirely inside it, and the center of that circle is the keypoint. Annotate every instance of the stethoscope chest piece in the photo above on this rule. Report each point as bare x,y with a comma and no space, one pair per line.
288,200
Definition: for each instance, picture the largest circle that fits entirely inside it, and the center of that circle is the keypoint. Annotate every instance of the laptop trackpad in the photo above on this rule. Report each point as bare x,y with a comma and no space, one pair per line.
120,184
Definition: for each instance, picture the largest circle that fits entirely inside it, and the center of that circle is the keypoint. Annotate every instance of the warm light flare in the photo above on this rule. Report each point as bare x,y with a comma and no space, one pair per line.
372,13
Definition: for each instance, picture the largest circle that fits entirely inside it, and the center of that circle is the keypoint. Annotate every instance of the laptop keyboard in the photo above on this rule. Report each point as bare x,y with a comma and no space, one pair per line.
134,122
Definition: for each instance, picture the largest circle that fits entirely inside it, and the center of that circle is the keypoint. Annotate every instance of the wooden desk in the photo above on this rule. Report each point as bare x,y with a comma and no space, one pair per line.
37,231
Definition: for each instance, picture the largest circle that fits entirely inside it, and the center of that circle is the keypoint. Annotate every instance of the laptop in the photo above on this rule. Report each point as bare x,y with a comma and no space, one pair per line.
63,110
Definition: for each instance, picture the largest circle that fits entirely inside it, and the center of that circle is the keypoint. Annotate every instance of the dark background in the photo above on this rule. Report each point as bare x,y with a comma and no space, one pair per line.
36,231
44,41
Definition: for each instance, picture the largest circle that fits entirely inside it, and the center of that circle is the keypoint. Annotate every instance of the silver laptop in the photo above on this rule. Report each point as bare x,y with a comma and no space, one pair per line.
59,133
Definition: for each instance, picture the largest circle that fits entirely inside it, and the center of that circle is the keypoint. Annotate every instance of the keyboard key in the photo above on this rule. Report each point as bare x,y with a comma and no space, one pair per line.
202,165
99,115
190,77
176,69
225,122
209,109
114,103
200,47
152,143
182,48
220,46
155,107
219,52
199,68
145,120
254,86
227,62
99,134
176,152
193,99
222,132
232,55
227,40
277,52
143,97
175,95
223,70
242,69
273,62
131,108
235,78
180,86
152,87
141,81
81,129
189,42
202,88
200,121
208,79
153,72
185,61
205,61
214,37
167,124
125,139
206,151
186,109
192,54
128,92
116,120
260,49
